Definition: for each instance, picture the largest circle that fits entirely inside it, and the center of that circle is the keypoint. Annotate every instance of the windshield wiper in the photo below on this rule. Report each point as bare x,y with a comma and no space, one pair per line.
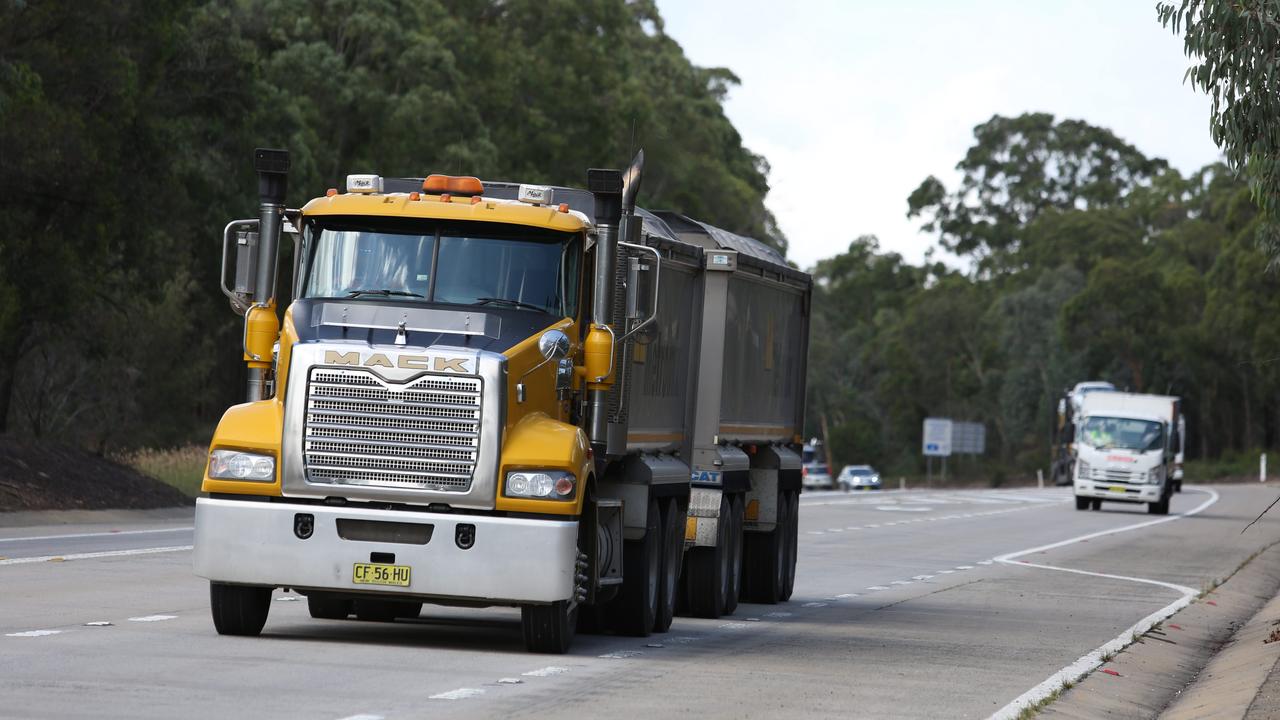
508,302
384,293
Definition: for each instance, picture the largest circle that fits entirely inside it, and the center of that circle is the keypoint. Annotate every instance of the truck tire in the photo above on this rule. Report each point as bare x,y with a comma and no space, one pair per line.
548,628
1160,507
791,537
636,608
673,522
764,562
733,581
1083,503
706,568
327,608
239,609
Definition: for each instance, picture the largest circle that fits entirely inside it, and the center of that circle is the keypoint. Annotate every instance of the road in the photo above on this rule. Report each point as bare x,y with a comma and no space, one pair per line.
915,604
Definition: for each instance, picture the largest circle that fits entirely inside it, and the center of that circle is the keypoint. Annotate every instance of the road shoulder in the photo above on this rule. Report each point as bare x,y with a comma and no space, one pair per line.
1166,663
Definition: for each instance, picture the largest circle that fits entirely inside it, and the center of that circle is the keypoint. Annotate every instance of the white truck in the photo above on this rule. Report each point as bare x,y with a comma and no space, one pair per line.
1063,452
1127,446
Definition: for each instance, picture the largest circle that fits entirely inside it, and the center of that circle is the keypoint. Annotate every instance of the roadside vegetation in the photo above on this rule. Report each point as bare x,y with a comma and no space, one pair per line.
181,468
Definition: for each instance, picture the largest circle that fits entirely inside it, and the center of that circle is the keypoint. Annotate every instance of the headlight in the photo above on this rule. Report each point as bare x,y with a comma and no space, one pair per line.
1082,469
544,484
1153,477
236,465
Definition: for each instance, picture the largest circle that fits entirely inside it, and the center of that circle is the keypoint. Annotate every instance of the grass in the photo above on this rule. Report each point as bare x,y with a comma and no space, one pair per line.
1031,711
182,467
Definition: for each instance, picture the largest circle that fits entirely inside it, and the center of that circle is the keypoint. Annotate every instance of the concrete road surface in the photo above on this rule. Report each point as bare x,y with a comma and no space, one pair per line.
915,604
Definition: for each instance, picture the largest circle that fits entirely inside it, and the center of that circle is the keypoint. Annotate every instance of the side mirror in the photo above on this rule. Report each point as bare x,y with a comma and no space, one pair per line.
242,235
553,345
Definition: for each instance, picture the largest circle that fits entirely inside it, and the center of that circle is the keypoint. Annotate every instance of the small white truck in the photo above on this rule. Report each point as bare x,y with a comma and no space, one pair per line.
1127,448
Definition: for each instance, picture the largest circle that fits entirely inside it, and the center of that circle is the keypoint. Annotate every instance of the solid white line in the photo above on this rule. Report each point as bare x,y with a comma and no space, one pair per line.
362,717
96,534
91,555
33,633
153,618
1087,663
546,671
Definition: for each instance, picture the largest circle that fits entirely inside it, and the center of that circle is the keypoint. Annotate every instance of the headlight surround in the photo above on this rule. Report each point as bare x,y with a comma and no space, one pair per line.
1155,475
540,485
237,465
1082,470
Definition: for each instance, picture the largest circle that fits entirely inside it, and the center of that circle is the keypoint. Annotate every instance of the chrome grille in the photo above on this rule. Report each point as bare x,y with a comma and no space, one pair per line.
421,434
1112,475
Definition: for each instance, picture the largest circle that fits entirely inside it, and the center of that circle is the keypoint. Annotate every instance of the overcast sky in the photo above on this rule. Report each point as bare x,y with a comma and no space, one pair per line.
864,100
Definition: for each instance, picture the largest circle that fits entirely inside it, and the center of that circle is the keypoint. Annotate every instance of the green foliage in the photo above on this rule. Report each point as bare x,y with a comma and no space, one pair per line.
1119,269
1235,48
126,129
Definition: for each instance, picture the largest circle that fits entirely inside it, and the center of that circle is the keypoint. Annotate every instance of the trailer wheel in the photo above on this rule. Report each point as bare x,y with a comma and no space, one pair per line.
327,608
792,539
673,522
733,580
1083,503
706,568
637,604
548,628
239,609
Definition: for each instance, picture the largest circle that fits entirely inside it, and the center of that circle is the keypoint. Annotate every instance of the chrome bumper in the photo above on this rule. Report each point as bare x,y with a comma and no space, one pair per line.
1130,493
512,560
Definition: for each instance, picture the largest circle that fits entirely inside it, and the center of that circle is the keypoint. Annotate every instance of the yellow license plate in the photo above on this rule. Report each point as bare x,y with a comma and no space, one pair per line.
379,574
1116,488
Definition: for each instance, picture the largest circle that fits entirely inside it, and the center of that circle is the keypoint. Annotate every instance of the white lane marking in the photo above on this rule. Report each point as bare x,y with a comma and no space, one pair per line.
778,614
814,604
459,694
686,640
1087,663
510,681
153,618
846,596
362,717
98,623
964,567
873,588
984,562
33,633
547,671
97,534
834,530
945,572
901,508
733,626
900,582
816,532
91,555
922,577
622,654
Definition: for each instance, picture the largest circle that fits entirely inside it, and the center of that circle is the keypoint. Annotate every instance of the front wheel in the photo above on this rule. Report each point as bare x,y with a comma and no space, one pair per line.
239,609
548,628
1083,503
1160,507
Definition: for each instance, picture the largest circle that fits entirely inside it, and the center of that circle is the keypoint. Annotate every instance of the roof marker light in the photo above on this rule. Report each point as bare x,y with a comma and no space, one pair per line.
564,207
414,196
364,183
475,199
331,192
535,194
446,197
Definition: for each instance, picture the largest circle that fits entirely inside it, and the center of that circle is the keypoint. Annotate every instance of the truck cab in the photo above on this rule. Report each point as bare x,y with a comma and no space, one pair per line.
1126,448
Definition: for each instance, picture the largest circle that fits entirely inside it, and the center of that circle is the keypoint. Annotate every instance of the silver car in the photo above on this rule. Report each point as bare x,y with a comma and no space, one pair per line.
859,477
817,474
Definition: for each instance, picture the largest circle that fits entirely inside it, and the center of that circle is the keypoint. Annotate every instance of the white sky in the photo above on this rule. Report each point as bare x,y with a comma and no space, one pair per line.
866,99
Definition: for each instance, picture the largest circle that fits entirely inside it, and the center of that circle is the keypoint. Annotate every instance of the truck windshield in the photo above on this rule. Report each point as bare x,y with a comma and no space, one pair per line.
1106,433
473,264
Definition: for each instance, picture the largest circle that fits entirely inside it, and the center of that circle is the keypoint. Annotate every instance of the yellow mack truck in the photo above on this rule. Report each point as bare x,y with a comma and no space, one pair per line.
499,394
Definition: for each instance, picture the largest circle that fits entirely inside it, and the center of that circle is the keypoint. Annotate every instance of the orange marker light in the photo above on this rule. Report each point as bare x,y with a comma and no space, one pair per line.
446,197
414,196
453,184
475,199
564,207
331,192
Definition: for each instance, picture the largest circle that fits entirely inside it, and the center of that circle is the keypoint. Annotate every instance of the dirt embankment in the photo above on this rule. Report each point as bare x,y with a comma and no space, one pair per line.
48,476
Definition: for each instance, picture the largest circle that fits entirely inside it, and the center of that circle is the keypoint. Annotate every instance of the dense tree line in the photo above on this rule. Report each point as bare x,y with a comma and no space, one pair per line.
1082,259
126,129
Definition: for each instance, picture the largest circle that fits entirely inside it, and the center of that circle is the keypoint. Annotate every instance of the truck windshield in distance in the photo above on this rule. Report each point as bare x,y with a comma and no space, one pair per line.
1106,433
502,266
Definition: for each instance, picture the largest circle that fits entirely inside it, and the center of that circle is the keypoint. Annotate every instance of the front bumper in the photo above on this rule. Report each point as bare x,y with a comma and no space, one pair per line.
1118,491
512,560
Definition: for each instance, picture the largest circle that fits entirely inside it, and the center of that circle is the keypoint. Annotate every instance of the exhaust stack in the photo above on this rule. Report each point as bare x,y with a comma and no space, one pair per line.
262,328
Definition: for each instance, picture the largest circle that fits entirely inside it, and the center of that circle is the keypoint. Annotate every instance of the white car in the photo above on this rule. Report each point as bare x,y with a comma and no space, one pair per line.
859,477
817,475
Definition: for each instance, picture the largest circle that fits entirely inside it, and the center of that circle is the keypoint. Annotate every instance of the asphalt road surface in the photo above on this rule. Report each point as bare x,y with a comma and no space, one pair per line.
916,604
